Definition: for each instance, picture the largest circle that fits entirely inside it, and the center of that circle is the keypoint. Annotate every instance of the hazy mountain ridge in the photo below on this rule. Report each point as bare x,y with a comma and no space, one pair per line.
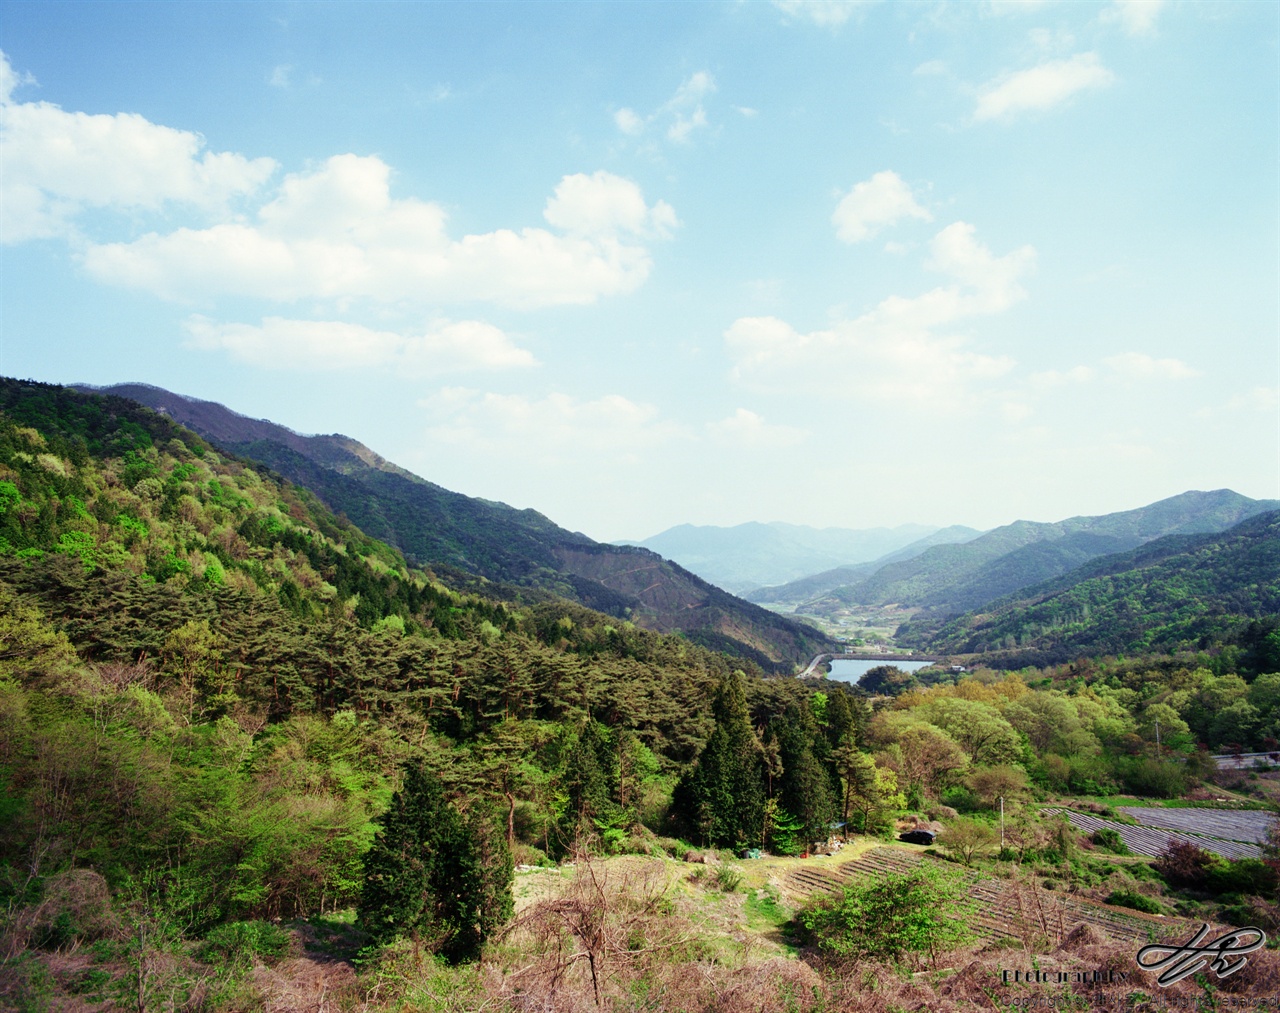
956,578
810,587
433,525
1172,593
755,554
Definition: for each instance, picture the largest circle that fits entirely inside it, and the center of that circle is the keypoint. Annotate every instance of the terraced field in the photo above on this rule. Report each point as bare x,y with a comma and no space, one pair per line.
1002,909
1225,824
1152,840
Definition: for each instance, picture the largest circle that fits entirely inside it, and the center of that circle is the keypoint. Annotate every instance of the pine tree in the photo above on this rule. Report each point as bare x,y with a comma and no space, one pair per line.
432,875
721,800
590,773
804,790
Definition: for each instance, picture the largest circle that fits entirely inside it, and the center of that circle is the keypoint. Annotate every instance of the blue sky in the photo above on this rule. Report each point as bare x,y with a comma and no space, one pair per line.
635,265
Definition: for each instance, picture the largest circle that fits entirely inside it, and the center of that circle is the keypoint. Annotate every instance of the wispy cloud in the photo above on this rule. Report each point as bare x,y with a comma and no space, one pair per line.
824,13
679,117
1135,17
1042,87
446,347
904,349
1138,366
746,429
544,428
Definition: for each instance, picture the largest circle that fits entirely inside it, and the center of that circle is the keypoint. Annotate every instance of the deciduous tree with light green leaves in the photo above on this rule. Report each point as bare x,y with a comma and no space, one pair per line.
891,917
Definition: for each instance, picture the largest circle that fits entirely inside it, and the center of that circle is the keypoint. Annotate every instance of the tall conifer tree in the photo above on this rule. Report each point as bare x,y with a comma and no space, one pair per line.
432,875
721,801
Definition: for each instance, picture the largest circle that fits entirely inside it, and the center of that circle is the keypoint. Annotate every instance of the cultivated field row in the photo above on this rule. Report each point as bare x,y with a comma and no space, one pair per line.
1249,825
1153,842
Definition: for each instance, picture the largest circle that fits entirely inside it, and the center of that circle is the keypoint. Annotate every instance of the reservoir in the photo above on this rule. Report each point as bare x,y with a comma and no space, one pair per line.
852,671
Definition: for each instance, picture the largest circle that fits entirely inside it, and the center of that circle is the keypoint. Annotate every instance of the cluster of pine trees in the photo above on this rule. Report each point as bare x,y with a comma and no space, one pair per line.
783,785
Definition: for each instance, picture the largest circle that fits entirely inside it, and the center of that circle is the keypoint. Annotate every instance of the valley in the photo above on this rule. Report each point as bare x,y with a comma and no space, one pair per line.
251,752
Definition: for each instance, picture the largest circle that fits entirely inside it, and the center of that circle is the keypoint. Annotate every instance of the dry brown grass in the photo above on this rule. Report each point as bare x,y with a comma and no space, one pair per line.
75,907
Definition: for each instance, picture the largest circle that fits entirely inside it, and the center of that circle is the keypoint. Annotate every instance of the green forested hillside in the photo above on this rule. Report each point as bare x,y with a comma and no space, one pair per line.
815,585
436,527
209,683
956,578
1175,593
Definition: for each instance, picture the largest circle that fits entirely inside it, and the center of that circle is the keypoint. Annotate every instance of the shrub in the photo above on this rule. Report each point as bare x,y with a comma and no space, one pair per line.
527,854
75,906
961,799
968,839
1110,840
1154,778
1137,901
890,917
1183,864
245,943
1242,876
729,878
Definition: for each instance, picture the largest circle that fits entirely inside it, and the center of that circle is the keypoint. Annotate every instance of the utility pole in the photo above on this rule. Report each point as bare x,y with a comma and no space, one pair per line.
1001,822
1157,738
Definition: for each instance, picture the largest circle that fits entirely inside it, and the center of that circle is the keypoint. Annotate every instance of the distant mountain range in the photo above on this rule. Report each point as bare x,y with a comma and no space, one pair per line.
1178,592
748,556
465,538
808,588
952,579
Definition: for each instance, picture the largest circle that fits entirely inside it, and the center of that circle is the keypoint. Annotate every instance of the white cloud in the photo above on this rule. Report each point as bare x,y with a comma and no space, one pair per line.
326,344
1137,366
874,204
57,164
682,114
900,350
1135,17
606,205
747,112
1041,87
281,76
824,13
545,428
337,234
744,428
931,68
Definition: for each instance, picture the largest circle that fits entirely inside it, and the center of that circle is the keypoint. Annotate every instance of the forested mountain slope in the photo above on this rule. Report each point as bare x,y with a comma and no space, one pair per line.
144,545
807,588
1179,592
956,578
209,682
434,526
